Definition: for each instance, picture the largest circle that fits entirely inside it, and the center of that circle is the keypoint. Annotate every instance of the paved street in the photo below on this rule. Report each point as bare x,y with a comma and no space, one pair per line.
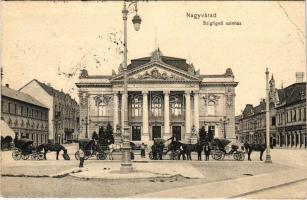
81,184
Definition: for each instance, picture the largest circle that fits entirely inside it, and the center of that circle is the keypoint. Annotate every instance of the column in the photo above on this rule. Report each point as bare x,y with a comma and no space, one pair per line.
290,139
286,139
115,110
122,114
145,135
187,115
196,110
299,139
166,115
295,139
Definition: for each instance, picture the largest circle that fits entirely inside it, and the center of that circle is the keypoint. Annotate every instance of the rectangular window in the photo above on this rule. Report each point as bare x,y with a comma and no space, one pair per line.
21,110
273,121
304,114
136,133
15,111
9,108
299,114
294,115
32,113
211,129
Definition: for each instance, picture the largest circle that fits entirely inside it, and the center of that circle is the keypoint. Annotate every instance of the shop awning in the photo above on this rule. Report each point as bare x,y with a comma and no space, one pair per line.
6,130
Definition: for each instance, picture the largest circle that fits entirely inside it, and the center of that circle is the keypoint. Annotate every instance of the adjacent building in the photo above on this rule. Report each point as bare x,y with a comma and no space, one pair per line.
291,115
166,96
25,115
64,111
287,117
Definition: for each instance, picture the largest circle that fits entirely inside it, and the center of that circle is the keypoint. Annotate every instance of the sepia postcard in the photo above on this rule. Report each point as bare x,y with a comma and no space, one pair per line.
153,99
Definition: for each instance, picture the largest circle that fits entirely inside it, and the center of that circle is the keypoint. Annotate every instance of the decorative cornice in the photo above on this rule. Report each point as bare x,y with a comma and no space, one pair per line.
234,84
160,64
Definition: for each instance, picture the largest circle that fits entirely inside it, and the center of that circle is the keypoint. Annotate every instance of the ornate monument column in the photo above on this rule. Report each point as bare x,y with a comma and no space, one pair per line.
145,134
187,95
166,115
122,113
196,110
115,110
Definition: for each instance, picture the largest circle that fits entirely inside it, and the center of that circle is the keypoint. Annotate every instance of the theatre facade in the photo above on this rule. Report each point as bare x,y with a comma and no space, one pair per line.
166,97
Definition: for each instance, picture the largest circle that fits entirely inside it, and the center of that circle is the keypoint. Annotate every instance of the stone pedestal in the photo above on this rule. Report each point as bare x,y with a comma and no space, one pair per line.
117,140
193,139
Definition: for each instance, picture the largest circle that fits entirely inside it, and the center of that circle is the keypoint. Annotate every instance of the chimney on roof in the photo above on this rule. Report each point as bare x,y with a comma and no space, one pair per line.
299,77
7,85
49,84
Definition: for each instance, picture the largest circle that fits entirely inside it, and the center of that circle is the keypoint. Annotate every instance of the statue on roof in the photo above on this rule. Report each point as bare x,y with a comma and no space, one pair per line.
83,74
120,68
229,72
156,55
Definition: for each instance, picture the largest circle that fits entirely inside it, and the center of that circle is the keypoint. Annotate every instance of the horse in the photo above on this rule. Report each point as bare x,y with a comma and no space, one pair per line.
51,147
112,148
254,147
6,142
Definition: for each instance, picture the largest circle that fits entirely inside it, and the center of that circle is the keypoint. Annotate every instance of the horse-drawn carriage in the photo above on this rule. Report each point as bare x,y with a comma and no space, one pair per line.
219,150
23,150
92,149
162,148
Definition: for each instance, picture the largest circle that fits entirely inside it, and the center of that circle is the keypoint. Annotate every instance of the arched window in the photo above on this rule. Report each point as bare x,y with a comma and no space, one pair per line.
136,106
176,105
211,108
156,106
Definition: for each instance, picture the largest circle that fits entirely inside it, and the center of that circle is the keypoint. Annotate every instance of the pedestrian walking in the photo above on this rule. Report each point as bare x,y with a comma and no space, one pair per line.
143,150
207,150
81,155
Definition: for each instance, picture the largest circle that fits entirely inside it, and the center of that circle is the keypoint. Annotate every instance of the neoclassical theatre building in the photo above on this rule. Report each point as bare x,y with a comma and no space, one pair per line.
166,96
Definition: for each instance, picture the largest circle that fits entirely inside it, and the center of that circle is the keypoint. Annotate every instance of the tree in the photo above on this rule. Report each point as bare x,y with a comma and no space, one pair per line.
109,134
102,135
202,135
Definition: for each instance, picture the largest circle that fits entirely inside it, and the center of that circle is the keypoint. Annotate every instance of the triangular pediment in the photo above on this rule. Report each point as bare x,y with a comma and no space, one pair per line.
157,71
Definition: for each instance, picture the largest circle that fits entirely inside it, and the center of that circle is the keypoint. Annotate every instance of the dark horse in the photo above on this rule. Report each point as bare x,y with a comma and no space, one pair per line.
254,147
6,142
52,147
185,150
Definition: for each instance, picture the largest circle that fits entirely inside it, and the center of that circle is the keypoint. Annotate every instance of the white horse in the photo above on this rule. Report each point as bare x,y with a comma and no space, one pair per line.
112,148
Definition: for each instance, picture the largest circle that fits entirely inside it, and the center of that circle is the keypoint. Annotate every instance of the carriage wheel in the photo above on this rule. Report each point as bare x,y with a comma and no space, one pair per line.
101,156
16,155
77,156
217,155
25,156
242,156
40,156
150,155
236,156
34,156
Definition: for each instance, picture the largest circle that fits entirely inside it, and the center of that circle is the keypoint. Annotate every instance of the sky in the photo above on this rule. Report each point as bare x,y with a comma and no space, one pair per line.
52,41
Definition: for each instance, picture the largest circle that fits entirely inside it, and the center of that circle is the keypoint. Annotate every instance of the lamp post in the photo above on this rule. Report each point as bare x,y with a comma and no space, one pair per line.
126,165
224,121
86,122
267,116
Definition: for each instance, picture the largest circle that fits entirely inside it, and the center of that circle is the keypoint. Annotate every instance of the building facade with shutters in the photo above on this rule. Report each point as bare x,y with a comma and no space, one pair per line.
287,117
64,111
25,115
166,97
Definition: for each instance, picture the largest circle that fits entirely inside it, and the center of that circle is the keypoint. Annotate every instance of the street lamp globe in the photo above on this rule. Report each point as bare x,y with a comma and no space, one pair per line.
136,22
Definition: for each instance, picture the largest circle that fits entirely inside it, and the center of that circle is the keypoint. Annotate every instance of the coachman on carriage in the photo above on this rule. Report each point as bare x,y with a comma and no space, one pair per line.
23,150
219,150
92,149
